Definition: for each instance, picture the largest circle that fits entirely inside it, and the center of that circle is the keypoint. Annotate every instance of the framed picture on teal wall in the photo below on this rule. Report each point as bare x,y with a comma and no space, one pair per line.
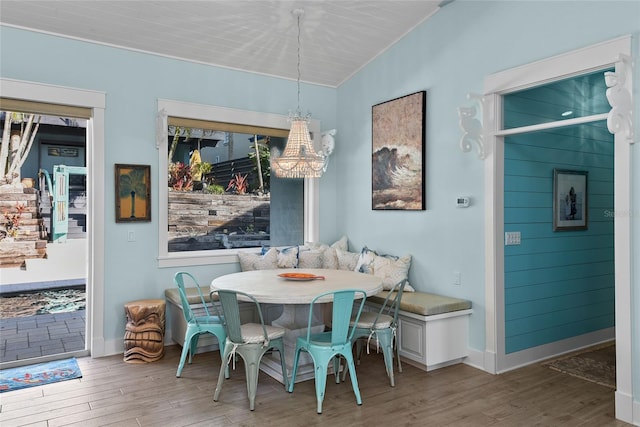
570,200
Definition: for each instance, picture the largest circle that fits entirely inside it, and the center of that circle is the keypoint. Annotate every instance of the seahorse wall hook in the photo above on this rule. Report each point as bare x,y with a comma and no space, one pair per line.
471,124
328,143
620,118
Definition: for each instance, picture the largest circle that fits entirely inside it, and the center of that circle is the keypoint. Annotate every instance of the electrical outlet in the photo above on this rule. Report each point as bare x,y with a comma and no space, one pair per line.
512,238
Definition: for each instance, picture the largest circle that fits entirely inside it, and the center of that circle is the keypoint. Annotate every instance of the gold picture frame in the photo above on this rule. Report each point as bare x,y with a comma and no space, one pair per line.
133,193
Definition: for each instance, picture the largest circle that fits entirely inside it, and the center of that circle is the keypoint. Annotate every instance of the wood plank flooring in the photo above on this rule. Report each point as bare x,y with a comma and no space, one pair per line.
114,393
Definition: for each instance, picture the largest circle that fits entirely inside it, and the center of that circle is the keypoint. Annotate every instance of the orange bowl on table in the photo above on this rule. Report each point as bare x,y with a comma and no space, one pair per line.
300,276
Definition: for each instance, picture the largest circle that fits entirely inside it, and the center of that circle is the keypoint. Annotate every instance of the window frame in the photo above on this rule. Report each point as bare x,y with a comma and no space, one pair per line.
170,108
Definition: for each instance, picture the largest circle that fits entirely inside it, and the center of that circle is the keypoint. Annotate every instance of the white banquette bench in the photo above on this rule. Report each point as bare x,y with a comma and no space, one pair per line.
432,331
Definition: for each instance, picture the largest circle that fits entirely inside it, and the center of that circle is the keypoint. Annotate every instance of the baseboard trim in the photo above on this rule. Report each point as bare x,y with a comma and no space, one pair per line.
529,356
476,359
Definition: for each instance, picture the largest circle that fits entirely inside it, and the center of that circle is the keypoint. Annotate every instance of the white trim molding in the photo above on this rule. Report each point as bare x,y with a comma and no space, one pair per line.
96,101
170,108
602,56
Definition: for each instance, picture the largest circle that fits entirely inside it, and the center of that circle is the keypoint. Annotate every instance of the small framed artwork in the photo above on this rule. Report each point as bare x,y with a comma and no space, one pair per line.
398,153
133,193
570,201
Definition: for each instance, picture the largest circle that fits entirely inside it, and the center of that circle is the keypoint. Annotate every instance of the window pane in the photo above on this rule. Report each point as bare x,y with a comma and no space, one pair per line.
579,96
219,200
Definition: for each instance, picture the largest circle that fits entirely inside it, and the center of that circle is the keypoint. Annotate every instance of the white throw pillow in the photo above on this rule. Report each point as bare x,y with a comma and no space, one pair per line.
342,244
253,261
288,257
310,259
390,268
347,260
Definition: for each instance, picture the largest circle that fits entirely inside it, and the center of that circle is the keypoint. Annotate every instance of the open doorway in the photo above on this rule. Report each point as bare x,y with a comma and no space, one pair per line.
600,57
44,255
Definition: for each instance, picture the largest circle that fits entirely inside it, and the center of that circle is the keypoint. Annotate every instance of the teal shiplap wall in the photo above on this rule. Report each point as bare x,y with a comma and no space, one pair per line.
557,284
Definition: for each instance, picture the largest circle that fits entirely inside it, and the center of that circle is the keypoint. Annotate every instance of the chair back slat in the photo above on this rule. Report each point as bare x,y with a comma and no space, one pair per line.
179,280
342,308
343,304
231,310
391,305
394,306
229,302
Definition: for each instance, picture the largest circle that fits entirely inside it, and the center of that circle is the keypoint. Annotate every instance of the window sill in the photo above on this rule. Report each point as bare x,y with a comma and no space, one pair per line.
184,259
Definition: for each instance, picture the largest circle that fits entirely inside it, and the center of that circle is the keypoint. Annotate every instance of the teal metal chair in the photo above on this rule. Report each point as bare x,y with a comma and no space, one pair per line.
250,340
197,325
327,346
381,325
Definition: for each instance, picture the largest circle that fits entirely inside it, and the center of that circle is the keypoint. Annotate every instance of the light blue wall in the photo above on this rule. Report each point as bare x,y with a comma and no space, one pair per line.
557,284
133,82
449,56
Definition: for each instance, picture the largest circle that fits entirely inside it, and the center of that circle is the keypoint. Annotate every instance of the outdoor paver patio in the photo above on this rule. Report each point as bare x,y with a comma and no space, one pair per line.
41,335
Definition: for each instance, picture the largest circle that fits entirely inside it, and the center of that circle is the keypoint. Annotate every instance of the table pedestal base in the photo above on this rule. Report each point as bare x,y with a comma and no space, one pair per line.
294,319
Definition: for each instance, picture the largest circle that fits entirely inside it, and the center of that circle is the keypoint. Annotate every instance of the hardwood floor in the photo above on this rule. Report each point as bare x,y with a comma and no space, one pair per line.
115,393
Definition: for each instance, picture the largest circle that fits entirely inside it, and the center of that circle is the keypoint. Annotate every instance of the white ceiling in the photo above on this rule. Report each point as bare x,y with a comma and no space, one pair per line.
338,37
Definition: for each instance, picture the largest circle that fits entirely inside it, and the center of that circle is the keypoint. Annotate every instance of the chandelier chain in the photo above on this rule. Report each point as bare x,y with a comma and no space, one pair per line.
299,111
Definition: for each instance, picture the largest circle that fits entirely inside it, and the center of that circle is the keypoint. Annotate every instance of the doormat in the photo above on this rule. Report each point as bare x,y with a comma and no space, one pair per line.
595,364
39,374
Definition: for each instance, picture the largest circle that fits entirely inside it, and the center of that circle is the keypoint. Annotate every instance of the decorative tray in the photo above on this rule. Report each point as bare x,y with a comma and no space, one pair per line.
300,276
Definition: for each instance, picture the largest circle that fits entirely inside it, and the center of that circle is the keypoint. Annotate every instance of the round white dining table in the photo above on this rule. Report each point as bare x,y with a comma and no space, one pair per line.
267,287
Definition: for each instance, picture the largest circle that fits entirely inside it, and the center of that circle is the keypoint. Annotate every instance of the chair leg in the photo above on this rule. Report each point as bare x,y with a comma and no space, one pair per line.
359,347
193,347
251,370
344,372
321,382
279,345
221,340
224,367
294,371
336,368
354,379
186,345
395,341
387,350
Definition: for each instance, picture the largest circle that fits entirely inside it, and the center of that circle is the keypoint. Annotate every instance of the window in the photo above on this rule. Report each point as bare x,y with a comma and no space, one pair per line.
267,211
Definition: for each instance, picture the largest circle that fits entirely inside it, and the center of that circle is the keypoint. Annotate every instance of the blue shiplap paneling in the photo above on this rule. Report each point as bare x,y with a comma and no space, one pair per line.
558,284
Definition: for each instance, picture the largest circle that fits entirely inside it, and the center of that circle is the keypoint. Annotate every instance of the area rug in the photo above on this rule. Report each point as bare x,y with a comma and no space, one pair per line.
39,374
595,364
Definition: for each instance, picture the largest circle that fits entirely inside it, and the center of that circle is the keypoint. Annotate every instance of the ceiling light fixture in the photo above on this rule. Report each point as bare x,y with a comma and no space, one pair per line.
299,159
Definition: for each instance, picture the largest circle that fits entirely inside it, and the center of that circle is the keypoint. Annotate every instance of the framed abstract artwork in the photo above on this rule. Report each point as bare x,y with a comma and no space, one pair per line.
398,153
133,193
569,200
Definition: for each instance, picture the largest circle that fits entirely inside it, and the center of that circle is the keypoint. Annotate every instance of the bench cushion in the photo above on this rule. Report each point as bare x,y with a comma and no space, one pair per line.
424,303
173,295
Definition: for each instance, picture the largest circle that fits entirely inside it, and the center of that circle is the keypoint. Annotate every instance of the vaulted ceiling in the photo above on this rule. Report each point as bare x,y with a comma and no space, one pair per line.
338,37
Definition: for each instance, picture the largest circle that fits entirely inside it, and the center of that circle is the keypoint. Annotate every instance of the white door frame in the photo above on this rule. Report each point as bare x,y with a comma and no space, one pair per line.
597,57
96,101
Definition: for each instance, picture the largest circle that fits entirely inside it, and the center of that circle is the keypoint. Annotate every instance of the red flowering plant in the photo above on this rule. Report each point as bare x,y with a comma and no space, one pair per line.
239,184
12,221
180,178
